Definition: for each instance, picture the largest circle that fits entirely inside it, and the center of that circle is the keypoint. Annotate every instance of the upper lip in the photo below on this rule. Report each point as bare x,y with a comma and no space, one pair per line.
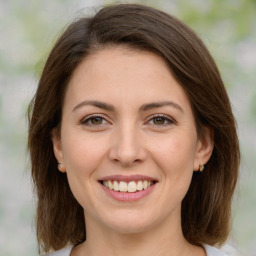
128,178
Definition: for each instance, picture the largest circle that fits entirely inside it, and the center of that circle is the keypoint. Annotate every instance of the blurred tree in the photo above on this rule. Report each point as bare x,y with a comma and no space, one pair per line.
28,30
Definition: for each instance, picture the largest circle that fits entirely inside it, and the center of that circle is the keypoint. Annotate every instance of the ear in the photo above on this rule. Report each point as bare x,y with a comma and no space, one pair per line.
56,141
204,148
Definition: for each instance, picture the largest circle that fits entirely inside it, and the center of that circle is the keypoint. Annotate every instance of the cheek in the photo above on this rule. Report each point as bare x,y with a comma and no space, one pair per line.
82,153
175,152
175,156
176,159
82,157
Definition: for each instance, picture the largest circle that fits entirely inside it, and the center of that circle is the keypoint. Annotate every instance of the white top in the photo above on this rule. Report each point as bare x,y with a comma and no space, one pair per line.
210,251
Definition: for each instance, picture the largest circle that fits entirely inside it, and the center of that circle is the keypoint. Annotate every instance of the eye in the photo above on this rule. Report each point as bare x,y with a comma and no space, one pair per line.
94,120
160,120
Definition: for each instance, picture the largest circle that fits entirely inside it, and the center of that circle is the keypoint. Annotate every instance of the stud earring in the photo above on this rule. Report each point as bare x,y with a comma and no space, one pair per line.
60,167
201,167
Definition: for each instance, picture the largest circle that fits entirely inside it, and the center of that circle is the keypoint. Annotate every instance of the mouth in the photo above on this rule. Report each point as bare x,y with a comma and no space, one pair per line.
132,186
128,188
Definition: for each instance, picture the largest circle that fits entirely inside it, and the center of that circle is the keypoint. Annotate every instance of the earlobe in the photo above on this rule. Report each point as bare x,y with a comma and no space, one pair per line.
61,167
204,150
56,141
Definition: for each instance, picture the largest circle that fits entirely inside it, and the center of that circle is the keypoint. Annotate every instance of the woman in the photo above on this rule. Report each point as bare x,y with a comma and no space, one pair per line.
132,139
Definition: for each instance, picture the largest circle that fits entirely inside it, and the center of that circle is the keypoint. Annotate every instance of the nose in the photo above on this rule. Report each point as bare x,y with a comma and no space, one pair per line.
127,147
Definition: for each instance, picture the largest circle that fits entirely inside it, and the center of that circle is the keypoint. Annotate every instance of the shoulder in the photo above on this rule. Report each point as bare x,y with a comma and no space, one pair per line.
212,251
63,252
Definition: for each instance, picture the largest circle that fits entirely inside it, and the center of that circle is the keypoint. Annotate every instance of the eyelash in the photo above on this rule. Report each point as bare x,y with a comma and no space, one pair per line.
87,120
164,117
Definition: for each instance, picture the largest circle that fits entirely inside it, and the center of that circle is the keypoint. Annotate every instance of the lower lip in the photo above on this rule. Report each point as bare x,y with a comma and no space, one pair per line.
127,196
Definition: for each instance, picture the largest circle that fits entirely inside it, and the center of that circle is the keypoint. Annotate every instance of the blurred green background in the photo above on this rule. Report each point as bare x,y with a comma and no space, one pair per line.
28,29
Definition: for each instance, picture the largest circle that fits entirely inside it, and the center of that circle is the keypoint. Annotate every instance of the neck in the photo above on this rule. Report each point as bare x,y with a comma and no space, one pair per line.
158,241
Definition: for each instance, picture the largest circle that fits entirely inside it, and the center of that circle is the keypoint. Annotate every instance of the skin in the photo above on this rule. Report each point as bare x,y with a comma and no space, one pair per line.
129,140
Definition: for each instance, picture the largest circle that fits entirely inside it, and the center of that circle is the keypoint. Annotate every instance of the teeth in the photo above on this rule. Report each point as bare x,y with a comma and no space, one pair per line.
139,185
145,184
130,187
116,186
110,185
123,186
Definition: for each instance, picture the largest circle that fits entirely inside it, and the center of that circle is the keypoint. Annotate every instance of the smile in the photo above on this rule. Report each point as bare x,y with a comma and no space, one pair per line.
130,187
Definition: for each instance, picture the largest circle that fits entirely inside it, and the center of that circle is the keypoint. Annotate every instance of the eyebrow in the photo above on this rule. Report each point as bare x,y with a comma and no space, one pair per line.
144,107
95,103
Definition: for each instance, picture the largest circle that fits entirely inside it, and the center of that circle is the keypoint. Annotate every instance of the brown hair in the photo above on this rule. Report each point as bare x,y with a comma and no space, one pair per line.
206,207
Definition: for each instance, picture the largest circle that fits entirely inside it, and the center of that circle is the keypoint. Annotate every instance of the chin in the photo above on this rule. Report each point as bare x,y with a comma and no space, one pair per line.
130,229
130,224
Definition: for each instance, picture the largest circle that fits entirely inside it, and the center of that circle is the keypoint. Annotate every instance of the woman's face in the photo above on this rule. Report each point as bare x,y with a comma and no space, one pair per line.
127,125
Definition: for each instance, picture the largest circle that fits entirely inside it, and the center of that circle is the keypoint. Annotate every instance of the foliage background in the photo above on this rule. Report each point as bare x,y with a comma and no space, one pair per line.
28,28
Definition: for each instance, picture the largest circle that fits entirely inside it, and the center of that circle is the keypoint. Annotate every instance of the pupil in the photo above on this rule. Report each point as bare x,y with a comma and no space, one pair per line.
159,120
97,120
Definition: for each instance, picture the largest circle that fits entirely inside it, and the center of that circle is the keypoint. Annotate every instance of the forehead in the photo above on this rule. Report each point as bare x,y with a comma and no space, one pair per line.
124,73
122,59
